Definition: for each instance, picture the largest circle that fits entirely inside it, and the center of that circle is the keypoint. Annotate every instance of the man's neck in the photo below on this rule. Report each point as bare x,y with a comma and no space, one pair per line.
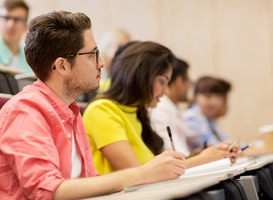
56,88
173,98
173,95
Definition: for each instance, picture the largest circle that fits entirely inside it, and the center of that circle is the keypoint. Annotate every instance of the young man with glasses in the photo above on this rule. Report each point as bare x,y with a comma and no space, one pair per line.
44,151
13,24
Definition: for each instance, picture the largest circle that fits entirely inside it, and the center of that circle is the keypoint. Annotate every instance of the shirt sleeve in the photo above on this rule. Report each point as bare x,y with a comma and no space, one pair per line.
104,123
160,119
195,137
28,147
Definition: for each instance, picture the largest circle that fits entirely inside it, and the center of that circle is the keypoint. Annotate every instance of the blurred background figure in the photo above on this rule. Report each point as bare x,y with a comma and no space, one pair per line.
109,44
209,103
13,24
167,112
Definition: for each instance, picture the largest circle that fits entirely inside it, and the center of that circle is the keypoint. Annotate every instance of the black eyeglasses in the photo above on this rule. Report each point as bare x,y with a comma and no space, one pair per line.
17,20
95,52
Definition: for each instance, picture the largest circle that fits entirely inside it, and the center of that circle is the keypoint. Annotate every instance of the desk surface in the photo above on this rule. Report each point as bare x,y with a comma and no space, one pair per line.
31,76
8,96
178,189
260,161
11,71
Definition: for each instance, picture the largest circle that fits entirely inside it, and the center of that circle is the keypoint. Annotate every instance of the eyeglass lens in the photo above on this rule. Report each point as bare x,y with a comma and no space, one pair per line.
16,20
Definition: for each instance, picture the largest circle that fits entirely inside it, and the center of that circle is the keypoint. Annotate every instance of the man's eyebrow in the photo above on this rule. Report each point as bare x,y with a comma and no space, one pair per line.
95,48
166,77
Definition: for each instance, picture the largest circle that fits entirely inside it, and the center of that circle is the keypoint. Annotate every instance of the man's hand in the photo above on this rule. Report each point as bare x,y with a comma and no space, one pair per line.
233,154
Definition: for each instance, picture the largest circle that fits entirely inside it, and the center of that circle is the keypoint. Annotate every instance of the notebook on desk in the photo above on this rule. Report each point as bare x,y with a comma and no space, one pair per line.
213,170
209,167
216,168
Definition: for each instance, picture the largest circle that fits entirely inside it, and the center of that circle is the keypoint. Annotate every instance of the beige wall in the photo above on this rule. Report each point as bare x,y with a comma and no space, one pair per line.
228,38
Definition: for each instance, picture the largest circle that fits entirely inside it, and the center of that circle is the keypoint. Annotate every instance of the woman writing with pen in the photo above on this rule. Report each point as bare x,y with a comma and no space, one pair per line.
117,122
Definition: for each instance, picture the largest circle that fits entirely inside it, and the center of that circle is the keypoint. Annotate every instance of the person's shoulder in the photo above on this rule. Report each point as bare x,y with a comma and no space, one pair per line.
99,105
189,113
25,103
192,116
102,103
26,98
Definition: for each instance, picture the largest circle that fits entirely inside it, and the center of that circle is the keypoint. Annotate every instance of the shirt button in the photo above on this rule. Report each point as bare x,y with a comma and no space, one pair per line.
71,116
63,121
68,135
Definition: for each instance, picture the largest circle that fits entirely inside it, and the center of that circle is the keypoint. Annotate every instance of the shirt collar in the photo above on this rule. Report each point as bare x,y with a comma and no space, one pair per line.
65,112
167,103
198,110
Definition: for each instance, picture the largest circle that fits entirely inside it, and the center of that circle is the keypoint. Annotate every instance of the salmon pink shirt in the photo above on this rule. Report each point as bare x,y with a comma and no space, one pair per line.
36,144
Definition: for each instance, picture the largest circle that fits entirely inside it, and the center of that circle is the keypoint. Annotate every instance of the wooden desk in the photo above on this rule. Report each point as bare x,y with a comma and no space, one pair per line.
260,161
178,188
175,190
11,71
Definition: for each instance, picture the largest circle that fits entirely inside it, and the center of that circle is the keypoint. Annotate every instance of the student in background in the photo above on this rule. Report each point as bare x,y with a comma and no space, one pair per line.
117,124
44,151
109,44
167,113
209,103
13,24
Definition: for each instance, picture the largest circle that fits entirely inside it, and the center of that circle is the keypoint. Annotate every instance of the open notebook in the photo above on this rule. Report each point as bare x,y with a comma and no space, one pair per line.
222,166
209,167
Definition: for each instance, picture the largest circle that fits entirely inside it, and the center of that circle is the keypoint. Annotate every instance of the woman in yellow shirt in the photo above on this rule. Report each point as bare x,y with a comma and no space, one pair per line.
117,123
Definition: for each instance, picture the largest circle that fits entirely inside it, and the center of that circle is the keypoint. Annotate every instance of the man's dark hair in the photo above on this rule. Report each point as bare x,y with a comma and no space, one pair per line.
180,69
13,4
208,84
54,35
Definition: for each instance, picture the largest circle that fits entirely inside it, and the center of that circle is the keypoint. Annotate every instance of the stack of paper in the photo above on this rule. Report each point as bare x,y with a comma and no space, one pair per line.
209,167
222,167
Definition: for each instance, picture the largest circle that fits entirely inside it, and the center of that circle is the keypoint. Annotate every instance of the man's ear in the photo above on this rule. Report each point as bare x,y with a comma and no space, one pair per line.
61,66
178,81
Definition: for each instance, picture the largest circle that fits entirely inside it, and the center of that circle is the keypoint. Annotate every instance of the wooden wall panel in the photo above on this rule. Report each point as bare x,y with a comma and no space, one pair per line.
244,58
270,36
98,11
229,38
38,7
142,21
187,30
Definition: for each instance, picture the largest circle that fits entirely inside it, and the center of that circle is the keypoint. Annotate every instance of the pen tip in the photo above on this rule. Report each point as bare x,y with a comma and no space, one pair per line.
169,131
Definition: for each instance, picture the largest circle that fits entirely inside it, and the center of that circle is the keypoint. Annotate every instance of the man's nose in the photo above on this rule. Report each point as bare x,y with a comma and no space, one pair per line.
10,22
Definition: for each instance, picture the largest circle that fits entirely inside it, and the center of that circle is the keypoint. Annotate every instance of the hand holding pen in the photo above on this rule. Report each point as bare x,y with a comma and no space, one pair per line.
171,139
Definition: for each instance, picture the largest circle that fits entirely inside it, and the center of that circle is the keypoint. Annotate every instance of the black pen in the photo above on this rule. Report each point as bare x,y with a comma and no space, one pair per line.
205,144
170,136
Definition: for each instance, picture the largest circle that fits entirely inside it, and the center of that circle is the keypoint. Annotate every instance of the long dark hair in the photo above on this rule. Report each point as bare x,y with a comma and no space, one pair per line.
132,75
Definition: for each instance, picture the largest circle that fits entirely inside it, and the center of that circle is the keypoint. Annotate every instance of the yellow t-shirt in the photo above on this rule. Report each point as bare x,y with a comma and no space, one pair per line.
106,122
